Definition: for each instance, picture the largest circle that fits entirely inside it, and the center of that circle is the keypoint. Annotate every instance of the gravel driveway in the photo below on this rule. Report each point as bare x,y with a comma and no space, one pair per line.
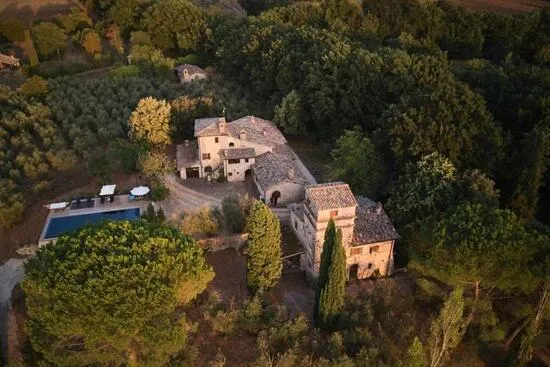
192,194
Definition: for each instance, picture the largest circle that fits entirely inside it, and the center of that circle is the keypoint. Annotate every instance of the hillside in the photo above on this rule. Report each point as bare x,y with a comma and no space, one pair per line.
504,6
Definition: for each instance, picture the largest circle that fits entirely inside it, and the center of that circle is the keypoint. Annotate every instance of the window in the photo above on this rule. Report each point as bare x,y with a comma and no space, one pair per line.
216,140
205,156
231,145
369,266
234,161
373,249
356,251
334,213
246,160
230,174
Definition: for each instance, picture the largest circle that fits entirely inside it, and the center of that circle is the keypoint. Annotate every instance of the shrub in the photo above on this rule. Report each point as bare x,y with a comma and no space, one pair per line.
125,72
233,215
200,222
34,86
193,59
159,191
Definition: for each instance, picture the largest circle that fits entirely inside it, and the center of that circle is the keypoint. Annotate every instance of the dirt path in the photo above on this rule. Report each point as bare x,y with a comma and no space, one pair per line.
11,273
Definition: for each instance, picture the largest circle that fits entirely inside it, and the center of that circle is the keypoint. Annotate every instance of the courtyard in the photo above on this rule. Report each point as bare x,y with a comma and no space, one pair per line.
192,194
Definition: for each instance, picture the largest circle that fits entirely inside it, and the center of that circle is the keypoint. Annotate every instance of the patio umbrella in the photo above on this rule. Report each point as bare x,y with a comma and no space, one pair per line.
140,191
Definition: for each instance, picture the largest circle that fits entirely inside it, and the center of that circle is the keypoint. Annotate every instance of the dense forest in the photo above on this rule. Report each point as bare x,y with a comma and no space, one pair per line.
441,113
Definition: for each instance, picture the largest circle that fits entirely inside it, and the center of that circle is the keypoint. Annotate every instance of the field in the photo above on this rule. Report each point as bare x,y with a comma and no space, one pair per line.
504,6
29,10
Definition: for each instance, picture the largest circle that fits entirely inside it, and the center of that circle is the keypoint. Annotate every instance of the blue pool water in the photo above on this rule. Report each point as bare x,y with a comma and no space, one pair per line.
61,225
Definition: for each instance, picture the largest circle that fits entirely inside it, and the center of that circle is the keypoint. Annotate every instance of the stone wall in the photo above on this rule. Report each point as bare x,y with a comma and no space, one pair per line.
222,242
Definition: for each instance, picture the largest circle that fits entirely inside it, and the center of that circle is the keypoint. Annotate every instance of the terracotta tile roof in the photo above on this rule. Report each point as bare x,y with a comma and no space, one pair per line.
372,224
331,195
187,155
9,60
257,131
191,69
238,153
208,126
273,168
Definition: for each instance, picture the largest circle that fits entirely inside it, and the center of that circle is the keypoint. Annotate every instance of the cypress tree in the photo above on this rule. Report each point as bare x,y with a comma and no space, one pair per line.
263,264
326,257
331,297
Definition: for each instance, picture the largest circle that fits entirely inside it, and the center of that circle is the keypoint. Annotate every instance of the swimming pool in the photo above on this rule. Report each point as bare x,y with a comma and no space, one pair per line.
60,225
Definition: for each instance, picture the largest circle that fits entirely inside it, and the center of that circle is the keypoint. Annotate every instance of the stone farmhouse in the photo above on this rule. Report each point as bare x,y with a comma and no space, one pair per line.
249,146
254,148
187,73
368,235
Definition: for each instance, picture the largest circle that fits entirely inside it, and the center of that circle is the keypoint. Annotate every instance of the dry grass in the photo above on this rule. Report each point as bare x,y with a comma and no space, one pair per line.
29,10
504,6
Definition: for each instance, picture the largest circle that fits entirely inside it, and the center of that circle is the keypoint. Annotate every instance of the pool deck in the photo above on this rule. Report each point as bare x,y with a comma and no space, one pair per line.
121,202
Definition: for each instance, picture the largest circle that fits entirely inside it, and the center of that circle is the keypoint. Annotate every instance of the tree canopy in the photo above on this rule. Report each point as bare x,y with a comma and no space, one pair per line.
49,38
175,23
150,121
108,294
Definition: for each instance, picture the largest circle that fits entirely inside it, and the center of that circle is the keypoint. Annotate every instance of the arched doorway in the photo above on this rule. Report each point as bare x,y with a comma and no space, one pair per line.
207,170
353,271
275,197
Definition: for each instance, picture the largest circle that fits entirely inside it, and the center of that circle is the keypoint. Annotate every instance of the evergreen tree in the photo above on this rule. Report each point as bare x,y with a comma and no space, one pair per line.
533,162
416,356
121,303
263,264
326,258
331,296
30,50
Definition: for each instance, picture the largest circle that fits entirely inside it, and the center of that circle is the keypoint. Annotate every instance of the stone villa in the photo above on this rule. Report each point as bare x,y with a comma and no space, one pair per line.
254,148
368,235
249,146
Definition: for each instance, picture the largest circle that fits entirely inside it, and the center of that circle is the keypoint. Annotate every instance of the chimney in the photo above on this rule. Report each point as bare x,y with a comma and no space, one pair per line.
378,208
242,135
291,173
222,126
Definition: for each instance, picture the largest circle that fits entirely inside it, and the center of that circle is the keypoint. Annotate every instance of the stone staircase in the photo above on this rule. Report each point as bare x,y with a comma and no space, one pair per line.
282,213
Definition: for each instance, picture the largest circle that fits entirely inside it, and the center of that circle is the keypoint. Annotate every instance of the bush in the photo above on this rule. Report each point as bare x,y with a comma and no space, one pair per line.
200,222
159,191
193,59
125,72
233,214
34,86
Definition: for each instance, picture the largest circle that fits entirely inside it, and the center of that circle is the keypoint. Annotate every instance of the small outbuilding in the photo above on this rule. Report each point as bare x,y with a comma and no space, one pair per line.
187,73
9,62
